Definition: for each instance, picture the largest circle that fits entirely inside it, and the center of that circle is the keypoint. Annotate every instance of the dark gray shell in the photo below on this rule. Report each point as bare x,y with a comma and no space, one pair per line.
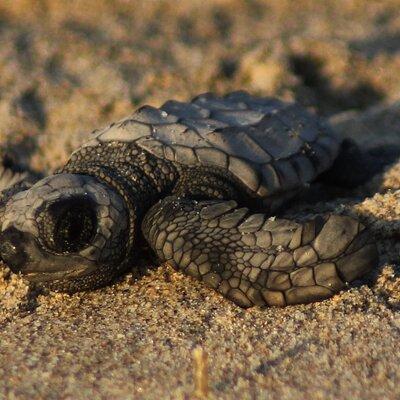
268,145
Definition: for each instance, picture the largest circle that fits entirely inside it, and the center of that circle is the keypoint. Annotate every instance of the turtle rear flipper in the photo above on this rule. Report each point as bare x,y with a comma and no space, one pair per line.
354,166
255,260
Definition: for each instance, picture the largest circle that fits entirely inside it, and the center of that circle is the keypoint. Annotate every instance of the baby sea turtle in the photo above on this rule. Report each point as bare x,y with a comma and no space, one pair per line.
184,177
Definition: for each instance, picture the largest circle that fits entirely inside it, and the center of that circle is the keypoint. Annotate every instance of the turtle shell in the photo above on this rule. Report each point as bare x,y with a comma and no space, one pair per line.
270,146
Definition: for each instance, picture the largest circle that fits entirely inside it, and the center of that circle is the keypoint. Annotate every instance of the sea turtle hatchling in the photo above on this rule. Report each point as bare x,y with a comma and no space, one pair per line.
184,177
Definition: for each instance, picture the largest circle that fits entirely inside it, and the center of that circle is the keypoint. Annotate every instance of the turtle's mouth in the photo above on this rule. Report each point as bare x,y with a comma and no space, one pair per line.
49,276
24,255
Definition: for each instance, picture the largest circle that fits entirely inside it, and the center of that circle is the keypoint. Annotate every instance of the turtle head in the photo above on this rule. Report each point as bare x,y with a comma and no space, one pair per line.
67,232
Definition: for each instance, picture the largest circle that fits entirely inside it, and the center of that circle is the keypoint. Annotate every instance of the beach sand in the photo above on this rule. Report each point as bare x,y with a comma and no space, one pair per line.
69,67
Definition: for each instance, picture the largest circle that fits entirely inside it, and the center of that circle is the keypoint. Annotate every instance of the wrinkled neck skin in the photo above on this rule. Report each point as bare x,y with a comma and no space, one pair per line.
138,177
78,229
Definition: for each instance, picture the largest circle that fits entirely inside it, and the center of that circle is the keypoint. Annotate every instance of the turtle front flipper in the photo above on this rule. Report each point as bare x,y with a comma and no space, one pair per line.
255,260
13,179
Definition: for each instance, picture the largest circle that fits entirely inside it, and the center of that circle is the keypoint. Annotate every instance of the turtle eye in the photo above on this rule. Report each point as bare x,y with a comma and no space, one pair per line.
71,225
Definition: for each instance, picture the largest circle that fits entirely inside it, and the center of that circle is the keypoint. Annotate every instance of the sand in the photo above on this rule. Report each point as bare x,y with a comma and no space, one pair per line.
70,67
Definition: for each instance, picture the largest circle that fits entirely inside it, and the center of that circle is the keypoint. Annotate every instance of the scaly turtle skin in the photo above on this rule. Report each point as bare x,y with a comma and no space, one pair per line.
182,177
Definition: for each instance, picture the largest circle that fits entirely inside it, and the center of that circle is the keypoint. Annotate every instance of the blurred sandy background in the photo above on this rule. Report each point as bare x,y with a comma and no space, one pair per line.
69,67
